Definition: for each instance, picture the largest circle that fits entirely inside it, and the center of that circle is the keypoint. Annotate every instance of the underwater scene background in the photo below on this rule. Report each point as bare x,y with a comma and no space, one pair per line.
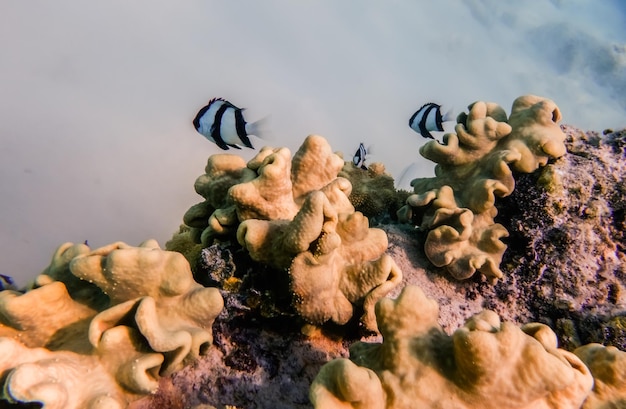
95,117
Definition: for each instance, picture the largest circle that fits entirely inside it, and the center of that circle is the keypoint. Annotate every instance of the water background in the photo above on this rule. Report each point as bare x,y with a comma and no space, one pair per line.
97,98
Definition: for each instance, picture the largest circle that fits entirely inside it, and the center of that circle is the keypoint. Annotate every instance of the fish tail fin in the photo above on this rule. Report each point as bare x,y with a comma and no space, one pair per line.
448,116
261,128
408,174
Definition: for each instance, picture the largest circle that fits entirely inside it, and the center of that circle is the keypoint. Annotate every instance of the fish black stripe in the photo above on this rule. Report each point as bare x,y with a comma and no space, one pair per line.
196,120
240,126
439,119
216,132
422,125
413,117
356,159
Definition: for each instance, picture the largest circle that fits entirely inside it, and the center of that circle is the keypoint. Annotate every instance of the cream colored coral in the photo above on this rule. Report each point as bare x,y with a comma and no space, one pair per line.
40,327
269,195
485,364
57,379
335,261
608,367
313,166
295,215
217,215
134,314
272,186
535,133
474,167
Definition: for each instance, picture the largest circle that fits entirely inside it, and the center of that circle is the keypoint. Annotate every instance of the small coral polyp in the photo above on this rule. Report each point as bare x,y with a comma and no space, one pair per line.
295,215
475,165
100,327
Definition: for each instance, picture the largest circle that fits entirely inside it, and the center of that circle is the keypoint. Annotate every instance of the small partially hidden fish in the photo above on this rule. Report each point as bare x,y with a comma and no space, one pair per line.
428,118
359,157
222,123
6,283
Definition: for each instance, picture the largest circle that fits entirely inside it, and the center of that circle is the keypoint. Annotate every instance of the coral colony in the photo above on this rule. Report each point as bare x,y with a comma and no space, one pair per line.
111,322
473,167
100,328
484,364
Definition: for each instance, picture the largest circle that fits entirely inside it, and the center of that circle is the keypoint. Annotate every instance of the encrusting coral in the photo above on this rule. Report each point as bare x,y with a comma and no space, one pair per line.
484,364
373,192
99,327
295,215
474,166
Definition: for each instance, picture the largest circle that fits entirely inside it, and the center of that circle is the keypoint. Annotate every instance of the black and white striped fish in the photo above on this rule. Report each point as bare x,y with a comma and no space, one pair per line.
428,118
359,157
222,123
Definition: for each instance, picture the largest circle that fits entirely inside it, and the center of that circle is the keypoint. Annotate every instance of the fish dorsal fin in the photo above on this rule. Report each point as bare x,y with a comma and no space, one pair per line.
225,102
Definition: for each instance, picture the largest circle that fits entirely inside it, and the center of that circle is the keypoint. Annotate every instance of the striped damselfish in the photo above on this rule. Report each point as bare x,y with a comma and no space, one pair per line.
359,157
222,123
428,118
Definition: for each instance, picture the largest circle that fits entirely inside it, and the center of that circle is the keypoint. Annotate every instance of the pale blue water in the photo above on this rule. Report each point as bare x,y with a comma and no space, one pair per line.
97,98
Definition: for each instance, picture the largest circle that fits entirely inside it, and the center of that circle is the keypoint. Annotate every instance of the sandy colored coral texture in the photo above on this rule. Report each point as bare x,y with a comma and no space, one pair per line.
474,167
373,192
295,215
484,364
608,367
100,327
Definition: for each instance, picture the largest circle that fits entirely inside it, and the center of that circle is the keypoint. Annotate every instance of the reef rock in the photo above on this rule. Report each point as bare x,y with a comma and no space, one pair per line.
567,244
